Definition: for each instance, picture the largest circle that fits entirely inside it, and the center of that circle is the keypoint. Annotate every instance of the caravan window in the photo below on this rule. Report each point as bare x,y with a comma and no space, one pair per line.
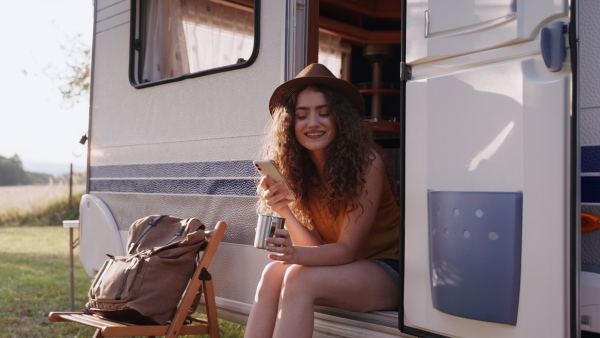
177,39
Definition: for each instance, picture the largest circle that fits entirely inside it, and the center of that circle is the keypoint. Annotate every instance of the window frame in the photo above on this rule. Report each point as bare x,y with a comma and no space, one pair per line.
134,29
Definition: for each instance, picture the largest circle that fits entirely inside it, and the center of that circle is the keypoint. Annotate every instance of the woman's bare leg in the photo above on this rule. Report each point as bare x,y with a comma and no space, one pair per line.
263,314
358,286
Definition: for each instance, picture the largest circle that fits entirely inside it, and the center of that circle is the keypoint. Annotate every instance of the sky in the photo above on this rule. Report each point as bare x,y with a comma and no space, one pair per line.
35,123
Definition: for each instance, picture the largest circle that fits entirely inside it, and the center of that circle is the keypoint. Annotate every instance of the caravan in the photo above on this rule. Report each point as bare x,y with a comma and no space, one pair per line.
484,107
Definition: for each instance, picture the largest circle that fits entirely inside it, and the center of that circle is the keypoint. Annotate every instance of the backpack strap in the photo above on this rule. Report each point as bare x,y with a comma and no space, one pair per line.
179,233
151,224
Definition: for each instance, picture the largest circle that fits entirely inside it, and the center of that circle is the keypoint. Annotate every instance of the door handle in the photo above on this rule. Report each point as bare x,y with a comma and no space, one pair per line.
553,45
426,23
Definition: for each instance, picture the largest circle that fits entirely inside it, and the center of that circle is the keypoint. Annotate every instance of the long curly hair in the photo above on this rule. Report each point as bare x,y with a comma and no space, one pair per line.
347,161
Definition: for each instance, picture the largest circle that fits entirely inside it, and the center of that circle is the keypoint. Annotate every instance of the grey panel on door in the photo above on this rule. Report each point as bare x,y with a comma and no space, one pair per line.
475,254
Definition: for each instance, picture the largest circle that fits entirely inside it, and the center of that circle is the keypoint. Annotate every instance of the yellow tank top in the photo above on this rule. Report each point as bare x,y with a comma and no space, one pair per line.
383,241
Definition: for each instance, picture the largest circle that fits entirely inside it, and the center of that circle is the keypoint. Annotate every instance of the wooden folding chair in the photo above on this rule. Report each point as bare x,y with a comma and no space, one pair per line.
201,281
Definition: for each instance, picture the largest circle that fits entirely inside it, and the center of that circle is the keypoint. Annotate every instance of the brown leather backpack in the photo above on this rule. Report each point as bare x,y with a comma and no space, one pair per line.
145,286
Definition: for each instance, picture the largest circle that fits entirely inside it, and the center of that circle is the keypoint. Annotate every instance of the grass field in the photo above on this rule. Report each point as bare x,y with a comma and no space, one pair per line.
38,204
34,280
34,270
30,198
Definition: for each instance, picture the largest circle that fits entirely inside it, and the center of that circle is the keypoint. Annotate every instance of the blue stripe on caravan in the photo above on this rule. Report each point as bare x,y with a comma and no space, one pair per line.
242,187
590,159
194,169
590,189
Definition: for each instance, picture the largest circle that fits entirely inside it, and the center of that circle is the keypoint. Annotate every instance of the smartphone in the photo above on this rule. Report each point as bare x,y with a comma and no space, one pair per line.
268,167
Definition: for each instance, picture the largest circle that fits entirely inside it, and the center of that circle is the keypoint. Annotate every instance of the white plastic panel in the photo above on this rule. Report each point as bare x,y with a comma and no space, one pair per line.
447,17
496,127
440,29
475,130
98,234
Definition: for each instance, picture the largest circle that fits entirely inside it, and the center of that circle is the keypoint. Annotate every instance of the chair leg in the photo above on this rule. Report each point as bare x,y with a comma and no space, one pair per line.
98,334
211,308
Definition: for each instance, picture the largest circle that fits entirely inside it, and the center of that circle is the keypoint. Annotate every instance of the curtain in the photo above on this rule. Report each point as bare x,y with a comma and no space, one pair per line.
217,35
330,52
165,52
188,36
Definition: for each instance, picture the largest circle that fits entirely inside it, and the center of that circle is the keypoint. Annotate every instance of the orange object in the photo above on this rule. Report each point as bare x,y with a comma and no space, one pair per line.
589,222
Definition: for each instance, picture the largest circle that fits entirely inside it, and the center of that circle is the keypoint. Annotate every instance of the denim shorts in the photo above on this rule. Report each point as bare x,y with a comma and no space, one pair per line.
391,267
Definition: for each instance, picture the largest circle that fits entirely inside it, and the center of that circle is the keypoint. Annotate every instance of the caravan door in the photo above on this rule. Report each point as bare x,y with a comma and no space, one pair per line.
490,198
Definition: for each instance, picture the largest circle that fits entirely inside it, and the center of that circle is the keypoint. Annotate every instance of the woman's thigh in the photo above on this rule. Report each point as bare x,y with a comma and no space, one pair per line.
358,286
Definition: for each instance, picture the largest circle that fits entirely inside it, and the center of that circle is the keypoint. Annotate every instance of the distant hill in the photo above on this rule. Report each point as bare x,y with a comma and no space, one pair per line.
12,173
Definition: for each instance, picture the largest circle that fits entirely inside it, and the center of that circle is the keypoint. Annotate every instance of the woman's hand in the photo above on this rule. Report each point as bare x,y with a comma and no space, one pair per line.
277,197
282,247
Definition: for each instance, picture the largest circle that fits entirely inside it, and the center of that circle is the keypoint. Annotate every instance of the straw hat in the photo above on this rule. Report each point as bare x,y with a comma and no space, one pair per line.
317,74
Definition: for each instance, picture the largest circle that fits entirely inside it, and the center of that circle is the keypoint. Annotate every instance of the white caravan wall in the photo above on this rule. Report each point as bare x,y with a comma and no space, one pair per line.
212,118
218,118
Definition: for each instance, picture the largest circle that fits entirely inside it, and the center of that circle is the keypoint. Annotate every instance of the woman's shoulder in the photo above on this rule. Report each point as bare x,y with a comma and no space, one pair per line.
376,159
376,168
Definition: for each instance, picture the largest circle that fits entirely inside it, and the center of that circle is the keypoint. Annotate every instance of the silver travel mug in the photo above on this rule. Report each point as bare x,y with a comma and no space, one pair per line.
265,228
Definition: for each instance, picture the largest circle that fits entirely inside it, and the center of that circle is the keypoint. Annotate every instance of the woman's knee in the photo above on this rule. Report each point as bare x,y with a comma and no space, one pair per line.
301,281
276,270
272,276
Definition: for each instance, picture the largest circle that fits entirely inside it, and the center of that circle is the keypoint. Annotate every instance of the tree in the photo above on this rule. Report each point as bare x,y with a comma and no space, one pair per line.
11,171
76,82
73,81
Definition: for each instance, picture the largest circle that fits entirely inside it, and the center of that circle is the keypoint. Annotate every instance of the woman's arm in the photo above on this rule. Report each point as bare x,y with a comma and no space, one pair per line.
277,198
355,228
299,234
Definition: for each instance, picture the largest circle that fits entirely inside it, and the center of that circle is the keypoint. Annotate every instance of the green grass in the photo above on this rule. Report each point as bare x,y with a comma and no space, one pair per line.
34,274
34,280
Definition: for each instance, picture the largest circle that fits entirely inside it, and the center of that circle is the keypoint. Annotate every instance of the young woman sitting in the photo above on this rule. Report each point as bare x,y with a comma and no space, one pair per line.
341,239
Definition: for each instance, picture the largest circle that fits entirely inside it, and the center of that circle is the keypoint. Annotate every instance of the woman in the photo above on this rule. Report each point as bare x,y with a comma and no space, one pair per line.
341,239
